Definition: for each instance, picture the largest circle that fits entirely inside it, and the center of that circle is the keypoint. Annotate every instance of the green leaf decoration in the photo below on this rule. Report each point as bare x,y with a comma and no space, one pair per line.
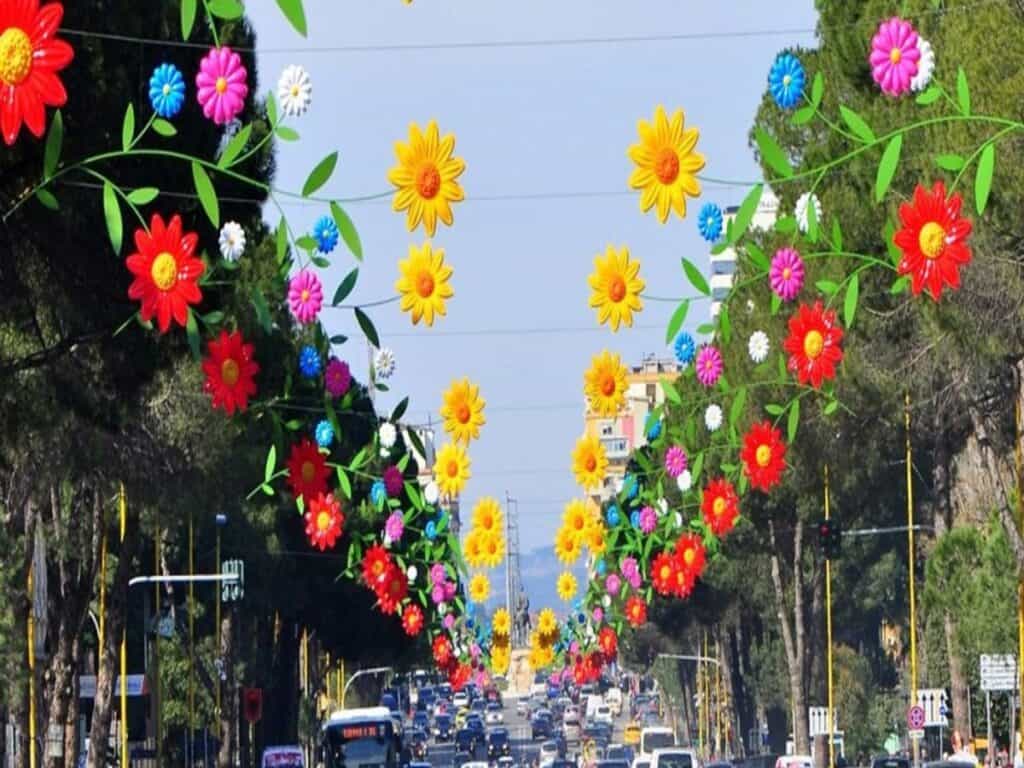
963,91
262,312
888,233
793,422
776,304
831,407
724,326
321,261
286,133
400,410
292,10
785,225
857,124
677,320
128,127
188,18
54,143
164,128
828,287
47,198
229,10
746,213
887,166
207,194
817,89
950,162
850,303
344,484
212,318
803,115
736,409
773,155
192,331
757,257
930,96
900,285
671,393
235,146
774,409
706,329
270,465
697,280
112,215
347,230
983,178
271,108
339,338
698,465
320,175
417,443
307,243
345,287
143,195
368,328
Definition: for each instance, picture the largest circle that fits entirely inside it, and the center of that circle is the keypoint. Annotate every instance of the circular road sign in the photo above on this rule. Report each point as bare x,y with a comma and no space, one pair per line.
915,718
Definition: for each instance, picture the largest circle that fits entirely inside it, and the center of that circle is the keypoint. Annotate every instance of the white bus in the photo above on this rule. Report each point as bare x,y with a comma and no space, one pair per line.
354,738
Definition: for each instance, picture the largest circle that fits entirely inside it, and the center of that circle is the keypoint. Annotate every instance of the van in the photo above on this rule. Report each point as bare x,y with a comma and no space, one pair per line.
613,698
283,757
571,726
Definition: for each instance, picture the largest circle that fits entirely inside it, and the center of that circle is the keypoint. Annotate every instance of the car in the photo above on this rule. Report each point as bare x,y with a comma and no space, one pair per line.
460,699
462,759
494,715
724,764
794,761
619,752
282,757
417,741
444,728
541,725
548,751
466,741
522,707
886,761
421,720
506,762
460,717
614,700
562,763
631,734
606,763
674,757
657,737
498,744
415,764
603,714
571,726
641,762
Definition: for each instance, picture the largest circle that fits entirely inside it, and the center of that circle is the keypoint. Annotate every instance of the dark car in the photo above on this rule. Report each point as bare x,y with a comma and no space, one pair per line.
466,741
541,726
421,720
443,728
612,764
563,764
475,723
418,744
478,705
622,752
461,758
498,744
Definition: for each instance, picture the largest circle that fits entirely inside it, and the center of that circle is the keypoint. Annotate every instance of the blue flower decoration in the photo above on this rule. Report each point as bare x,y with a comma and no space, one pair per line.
309,362
324,434
612,516
786,80
166,91
581,618
430,531
654,432
634,518
469,623
325,232
709,222
630,487
686,348
600,567
378,493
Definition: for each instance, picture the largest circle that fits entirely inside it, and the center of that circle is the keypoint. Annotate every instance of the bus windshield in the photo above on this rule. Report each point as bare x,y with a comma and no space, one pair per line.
362,745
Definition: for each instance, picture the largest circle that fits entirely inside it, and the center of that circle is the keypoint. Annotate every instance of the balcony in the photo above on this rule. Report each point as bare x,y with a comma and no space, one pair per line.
615,447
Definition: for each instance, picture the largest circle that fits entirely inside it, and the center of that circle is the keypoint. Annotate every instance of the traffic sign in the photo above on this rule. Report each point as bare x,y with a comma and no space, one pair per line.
935,703
915,718
233,590
998,672
916,735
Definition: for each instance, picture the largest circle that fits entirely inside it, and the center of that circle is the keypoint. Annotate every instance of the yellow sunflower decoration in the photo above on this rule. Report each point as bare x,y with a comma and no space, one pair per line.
501,656
615,287
473,549
547,623
426,177
501,624
537,659
463,411
487,515
479,588
567,546
666,163
566,586
576,518
589,462
595,540
604,384
423,283
451,469
492,548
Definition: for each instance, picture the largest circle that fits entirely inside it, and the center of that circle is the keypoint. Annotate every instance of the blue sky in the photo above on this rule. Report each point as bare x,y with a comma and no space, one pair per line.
547,126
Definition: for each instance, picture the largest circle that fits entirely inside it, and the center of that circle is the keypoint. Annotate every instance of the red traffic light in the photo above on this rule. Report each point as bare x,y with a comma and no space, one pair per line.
252,704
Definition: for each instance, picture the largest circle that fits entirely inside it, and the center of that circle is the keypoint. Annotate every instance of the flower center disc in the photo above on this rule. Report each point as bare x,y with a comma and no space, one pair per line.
295,91
617,289
425,285
305,295
229,372
323,521
763,455
222,85
932,239
666,572
167,89
15,56
786,80
689,554
308,472
164,271
666,165
608,386
591,463
428,181
718,507
814,342
462,414
453,468
787,273
895,55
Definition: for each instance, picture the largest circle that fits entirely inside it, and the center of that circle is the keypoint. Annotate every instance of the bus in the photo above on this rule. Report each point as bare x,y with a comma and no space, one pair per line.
353,738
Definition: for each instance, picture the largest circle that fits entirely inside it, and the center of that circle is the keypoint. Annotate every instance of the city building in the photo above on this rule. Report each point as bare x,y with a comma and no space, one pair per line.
723,265
626,432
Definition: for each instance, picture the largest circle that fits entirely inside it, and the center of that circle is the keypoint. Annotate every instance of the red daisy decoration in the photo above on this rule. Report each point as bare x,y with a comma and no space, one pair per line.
442,650
324,519
690,554
31,54
376,562
663,574
393,590
684,582
307,470
764,459
636,611
720,506
608,641
412,619
230,372
166,272
458,676
933,240
813,344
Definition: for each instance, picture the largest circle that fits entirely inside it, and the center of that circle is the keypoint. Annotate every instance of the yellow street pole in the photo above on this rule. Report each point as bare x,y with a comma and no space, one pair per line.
342,682
718,707
828,636
156,642
122,505
707,696
31,673
910,568
700,705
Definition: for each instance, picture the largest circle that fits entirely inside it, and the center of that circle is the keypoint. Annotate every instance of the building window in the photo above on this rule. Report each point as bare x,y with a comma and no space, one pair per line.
606,430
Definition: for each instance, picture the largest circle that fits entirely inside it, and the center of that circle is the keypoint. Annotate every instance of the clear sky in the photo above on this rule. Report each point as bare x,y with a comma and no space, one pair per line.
547,126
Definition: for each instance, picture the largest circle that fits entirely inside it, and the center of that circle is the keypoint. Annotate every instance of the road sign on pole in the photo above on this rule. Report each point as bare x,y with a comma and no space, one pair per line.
998,672
233,590
818,721
915,718
935,703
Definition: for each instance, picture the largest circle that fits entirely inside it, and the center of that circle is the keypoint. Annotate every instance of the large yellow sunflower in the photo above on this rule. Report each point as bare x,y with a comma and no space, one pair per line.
537,659
426,177
423,283
604,384
463,411
576,518
595,540
487,515
451,469
547,623
492,548
567,546
589,462
501,624
616,287
666,163
473,548
501,655
479,588
566,586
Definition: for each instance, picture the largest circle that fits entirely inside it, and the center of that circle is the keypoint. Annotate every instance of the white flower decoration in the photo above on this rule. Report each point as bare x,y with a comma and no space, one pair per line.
442,609
925,66
387,540
387,434
384,363
758,346
412,573
801,210
713,417
679,517
294,91
684,482
605,601
662,507
232,241
431,493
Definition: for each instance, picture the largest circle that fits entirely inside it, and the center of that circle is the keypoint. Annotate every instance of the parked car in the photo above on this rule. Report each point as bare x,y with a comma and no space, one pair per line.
444,728
460,699
795,761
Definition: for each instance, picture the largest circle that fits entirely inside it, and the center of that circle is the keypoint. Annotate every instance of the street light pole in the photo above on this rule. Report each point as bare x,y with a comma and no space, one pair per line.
360,673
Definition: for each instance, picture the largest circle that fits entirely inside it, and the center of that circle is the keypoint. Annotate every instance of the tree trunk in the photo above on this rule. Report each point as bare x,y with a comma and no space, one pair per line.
793,641
229,688
62,688
71,720
957,682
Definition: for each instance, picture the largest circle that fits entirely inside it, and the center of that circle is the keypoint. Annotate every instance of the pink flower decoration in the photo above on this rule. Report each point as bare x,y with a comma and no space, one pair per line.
574,646
709,365
787,273
305,296
894,56
449,590
393,482
675,461
599,614
648,519
612,584
449,621
220,85
337,378
437,574
629,568
635,580
395,526
437,594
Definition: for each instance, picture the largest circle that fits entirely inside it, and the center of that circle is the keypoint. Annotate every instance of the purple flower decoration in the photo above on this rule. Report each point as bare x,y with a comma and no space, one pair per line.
648,519
449,621
437,594
395,526
787,273
630,568
598,615
337,377
894,56
709,365
612,584
393,482
675,461
449,590
437,574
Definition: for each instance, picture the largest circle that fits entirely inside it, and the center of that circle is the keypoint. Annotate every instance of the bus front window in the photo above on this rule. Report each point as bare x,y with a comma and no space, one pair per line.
365,752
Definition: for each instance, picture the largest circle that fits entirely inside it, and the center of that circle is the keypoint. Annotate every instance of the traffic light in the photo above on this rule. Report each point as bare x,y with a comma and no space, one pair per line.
829,539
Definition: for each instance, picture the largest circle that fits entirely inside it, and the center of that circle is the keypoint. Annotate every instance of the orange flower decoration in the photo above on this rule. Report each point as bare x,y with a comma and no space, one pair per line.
307,470
608,642
663,574
933,240
324,519
166,272
636,611
720,506
814,344
230,372
412,620
764,457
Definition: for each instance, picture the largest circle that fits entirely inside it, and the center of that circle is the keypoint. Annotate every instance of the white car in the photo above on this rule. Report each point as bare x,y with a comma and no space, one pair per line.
460,700
494,716
548,752
522,707
603,714
675,757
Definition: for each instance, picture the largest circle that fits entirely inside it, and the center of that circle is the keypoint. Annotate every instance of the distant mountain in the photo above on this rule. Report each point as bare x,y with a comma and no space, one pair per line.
540,569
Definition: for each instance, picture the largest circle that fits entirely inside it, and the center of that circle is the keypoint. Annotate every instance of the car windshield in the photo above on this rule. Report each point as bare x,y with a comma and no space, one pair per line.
498,738
675,760
657,740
